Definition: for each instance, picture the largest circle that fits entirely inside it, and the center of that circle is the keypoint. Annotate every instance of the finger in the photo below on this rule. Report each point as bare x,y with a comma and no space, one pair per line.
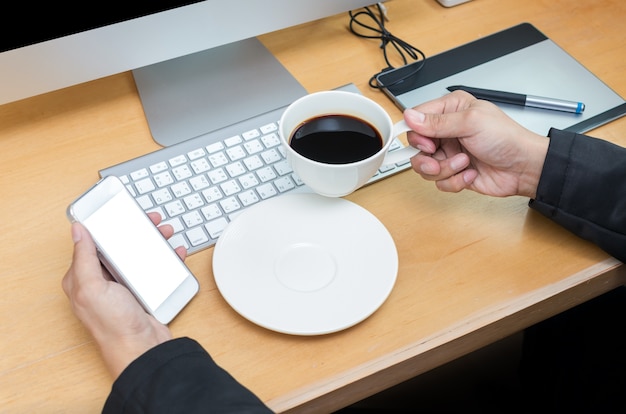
85,262
429,126
181,252
449,103
424,144
440,155
457,182
166,230
155,217
438,167
447,117
426,166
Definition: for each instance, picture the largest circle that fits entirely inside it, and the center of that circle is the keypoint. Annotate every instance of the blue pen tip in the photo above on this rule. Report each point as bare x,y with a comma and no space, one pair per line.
580,108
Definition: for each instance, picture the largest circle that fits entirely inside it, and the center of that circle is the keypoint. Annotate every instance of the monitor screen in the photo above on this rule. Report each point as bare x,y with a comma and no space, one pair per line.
72,44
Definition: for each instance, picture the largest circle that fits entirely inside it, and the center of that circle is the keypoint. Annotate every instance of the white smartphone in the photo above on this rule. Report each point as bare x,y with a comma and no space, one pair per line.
131,247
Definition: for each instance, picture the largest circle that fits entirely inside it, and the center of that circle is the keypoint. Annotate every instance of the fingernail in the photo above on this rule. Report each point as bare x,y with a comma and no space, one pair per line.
416,116
428,169
457,164
469,176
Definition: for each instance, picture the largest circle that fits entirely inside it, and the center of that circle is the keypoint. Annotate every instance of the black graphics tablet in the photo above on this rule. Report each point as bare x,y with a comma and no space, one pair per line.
522,60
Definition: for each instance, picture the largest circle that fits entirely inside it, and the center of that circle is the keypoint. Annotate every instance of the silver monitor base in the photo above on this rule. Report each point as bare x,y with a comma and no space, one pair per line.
190,96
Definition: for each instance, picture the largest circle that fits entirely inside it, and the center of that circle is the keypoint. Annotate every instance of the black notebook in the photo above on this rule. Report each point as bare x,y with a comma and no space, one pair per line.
522,60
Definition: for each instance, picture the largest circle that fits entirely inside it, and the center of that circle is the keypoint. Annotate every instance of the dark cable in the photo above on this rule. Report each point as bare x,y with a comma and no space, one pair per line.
375,28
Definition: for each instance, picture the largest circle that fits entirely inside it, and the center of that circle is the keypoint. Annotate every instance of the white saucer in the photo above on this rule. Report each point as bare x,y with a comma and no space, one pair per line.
304,264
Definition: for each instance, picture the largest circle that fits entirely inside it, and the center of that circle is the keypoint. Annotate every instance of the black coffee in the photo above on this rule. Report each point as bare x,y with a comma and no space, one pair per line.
336,139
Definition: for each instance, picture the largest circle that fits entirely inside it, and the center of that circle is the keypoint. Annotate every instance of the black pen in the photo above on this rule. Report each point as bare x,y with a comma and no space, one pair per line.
523,100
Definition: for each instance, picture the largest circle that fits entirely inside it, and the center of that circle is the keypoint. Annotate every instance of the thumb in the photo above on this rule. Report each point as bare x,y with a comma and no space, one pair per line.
435,125
85,262
84,246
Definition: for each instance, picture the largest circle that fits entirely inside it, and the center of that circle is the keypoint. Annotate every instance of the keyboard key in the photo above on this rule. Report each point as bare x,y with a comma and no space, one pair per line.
252,163
182,172
297,179
235,169
284,184
230,204
193,219
248,181
174,208
216,227
395,144
271,127
385,168
270,140
179,159
236,153
253,146
215,147
233,141
197,236
230,187
218,159
162,196
217,176
159,211
193,201
139,174
403,163
178,240
176,224
212,194
181,189
271,156
266,174
283,167
158,167
211,212
195,154
199,182
267,190
201,165
248,198
253,133
163,179
145,186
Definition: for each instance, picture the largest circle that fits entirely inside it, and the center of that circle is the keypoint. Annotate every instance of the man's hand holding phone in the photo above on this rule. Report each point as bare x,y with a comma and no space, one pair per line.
132,249
119,324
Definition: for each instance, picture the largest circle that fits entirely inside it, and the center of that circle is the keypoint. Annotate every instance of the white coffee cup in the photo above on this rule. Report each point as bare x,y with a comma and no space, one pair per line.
337,180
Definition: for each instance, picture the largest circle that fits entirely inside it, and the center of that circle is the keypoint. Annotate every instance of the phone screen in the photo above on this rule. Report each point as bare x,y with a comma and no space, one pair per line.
124,232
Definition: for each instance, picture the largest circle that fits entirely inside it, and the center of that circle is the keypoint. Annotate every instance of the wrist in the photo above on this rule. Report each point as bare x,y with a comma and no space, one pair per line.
535,159
118,352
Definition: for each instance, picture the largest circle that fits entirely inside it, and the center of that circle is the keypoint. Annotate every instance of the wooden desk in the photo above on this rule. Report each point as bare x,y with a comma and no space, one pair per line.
473,269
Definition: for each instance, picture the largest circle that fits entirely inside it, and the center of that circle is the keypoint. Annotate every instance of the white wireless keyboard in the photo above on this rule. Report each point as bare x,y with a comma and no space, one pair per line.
199,185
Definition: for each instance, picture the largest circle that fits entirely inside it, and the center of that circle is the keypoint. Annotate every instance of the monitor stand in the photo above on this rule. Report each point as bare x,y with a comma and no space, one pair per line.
190,96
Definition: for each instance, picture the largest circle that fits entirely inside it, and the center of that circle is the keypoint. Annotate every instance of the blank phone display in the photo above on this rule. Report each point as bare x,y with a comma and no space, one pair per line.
125,233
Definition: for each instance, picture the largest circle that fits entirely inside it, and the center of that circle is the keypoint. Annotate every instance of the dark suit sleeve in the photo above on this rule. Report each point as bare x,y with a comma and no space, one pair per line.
179,376
583,188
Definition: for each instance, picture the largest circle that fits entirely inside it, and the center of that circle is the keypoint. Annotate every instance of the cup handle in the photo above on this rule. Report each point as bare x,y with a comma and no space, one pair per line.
401,155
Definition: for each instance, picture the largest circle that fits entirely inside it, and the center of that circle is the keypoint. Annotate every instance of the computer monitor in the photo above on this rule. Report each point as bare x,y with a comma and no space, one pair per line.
197,64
